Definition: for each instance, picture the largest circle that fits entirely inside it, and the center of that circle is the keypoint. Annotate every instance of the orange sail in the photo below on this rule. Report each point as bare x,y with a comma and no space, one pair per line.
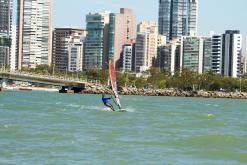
113,80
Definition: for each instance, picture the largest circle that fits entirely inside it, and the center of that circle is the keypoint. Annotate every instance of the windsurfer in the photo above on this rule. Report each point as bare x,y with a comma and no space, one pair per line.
106,100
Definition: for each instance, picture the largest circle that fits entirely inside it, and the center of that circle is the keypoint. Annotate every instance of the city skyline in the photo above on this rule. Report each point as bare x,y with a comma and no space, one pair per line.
213,15
108,31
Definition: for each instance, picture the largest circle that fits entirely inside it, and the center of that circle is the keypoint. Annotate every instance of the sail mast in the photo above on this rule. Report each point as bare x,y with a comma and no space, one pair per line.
113,80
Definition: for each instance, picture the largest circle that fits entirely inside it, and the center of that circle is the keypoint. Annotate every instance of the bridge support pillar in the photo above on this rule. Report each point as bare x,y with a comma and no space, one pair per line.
3,83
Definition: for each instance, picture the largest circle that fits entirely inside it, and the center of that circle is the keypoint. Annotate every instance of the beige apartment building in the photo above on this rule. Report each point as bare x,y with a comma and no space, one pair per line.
122,31
147,42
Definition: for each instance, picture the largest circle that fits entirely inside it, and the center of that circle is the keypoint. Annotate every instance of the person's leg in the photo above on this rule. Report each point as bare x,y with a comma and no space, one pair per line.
110,106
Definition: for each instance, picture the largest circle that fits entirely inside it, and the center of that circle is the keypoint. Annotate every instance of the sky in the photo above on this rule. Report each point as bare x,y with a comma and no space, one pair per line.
214,15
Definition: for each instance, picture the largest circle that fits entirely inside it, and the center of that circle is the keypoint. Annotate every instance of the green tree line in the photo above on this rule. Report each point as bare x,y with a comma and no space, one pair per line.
184,80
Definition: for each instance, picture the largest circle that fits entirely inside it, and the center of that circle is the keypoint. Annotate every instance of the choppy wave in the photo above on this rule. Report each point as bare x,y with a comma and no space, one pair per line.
73,105
103,108
161,129
58,103
130,109
6,126
90,107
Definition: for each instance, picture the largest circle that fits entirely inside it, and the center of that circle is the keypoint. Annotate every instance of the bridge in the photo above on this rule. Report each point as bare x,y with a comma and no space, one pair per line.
38,79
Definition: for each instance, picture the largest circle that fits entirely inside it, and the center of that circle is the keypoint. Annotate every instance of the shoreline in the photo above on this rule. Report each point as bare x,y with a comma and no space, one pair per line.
24,88
142,92
169,92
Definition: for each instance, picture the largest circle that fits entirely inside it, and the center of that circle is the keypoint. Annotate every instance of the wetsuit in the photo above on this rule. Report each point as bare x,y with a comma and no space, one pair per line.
106,100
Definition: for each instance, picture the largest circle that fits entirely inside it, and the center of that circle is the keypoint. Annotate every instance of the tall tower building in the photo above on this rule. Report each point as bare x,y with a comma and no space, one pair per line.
130,31
196,54
6,17
178,18
34,33
192,50
61,40
192,17
5,31
216,53
245,58
169,56
128,51
207,54
231,53
12,59
147,42
121,31
141,53
96,43
75,50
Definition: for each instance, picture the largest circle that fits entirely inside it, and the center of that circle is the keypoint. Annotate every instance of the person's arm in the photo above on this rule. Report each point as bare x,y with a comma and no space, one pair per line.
108,98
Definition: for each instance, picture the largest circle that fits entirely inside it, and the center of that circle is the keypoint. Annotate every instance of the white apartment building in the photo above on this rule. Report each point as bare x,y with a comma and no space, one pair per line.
34,33
216,59
75,54
127,57
231,55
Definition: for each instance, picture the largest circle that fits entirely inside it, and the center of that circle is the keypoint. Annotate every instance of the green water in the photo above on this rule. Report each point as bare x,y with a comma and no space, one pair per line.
38,128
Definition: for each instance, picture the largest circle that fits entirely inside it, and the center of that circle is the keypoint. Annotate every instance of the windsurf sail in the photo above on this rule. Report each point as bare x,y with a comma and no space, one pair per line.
113,80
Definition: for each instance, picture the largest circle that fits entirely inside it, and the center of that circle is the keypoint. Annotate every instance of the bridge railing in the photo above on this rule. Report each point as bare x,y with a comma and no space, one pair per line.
51,77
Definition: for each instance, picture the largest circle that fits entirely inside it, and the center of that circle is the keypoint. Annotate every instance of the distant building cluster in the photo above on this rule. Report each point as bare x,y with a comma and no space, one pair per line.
171,44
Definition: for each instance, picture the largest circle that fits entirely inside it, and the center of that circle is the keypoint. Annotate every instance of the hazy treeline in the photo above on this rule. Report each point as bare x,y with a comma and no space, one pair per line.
185,80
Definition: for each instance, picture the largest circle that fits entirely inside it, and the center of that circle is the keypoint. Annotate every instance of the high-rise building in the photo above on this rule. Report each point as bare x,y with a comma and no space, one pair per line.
147,42
151,33
231,53
96,43
61,40
244,64
130,31
196,53
207,54
147,27
121,32
169,56
178,18
75,51
5,31
5,44
216,53
141,53
192,17
12,59
34,33
128,52
245,58
117,35
6,17
192,51
133,56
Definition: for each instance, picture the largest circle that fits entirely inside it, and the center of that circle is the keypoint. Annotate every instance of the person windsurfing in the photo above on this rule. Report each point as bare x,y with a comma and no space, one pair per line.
106,100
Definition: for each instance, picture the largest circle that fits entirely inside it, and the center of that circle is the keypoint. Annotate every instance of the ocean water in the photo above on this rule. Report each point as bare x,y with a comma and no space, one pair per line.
41,128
